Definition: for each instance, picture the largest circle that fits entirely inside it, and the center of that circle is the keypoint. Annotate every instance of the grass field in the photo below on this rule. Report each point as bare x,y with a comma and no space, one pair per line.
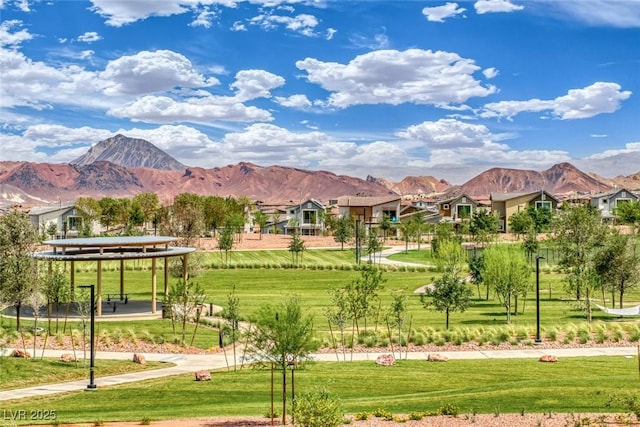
19,373
482,386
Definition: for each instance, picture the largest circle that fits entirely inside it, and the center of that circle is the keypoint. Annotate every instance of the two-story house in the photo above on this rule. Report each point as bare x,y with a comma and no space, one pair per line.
369,209
457,208
506,204
306,217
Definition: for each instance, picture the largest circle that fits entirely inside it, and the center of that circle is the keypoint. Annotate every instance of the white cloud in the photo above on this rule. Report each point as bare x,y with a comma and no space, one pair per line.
440,13
152,72
378,41
495,6
204,19
490,73
599,98
330,33
89,37
631,147
86,54
13,39
122,12
396,77
294,101
303,24
598,135
252,84
448,133
204,110
238,26
619,13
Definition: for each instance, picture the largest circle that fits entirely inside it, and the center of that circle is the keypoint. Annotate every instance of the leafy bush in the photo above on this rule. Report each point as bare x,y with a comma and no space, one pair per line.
318,408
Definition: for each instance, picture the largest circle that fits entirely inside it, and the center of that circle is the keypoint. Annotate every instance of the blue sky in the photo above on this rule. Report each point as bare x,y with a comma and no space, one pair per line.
381,88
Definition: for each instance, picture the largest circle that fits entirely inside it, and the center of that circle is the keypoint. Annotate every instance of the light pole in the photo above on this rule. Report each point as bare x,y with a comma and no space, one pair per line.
92,356
538,258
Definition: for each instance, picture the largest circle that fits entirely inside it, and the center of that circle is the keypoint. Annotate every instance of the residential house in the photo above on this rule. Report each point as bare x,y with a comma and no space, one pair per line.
370,209
306,217
606,203
63,220
457,208
506,204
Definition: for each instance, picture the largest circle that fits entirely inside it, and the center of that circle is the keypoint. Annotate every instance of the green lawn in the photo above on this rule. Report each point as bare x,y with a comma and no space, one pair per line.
20,373
481,386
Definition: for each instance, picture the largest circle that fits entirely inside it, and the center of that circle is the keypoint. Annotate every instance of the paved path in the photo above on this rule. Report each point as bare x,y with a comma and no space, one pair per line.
189,363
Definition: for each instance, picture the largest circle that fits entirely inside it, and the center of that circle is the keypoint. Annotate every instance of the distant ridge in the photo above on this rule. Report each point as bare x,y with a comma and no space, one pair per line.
129,152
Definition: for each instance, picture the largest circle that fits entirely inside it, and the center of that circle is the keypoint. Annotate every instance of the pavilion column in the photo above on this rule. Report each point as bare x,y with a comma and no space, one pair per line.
166,277
153,285
72,278
99,290
184,269
121,279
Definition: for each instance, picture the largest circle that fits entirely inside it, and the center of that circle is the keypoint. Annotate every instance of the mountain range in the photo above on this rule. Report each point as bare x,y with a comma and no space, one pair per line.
122,167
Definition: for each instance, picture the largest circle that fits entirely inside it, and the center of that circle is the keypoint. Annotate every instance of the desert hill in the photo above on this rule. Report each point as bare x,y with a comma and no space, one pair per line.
122,167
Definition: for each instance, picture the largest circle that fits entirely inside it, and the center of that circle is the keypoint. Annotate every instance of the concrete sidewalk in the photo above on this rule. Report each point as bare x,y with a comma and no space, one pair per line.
189,363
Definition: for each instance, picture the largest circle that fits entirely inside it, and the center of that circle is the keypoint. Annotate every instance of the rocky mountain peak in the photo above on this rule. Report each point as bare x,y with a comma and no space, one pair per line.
129,152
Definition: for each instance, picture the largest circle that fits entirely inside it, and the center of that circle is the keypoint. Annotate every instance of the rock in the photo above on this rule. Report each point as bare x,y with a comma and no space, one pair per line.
21,353
548,358
386,360
139,358
435,357
203,376
67,358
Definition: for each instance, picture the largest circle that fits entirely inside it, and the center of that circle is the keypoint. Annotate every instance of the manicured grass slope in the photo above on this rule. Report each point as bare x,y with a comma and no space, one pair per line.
480,386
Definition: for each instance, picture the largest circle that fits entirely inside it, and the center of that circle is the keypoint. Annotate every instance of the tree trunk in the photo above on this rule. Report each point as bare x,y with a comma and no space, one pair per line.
284,390
447,317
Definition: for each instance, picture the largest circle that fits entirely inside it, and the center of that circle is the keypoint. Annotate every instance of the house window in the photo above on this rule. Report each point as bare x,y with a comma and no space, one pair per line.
622,201
624,194
73,222
308,217
463,211
391,214
542,205
464,200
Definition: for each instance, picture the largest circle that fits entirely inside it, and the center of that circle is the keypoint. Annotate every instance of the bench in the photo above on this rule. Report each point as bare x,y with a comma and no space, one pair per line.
120,297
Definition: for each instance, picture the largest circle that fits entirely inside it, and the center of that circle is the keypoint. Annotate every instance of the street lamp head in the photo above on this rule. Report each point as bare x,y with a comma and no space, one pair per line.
539,257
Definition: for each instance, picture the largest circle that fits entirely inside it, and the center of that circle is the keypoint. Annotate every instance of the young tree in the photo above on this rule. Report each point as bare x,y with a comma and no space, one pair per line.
232,315
418,225
338,314
385,226
505,269
261,219
343,231
282,335
296,247
449,294
18,269
184,301
88,210
483,226
628,213
396,315
373,247
450,258
520,223
225,243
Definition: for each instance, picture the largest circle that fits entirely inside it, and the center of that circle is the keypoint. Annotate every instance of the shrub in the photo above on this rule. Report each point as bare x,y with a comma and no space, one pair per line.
449,409
318,408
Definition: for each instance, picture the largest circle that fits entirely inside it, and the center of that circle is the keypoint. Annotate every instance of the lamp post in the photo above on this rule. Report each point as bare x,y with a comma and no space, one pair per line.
92,356
538,258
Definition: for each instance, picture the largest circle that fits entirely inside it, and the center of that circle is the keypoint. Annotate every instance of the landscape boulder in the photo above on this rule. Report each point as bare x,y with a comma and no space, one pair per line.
203,375
386,360
139,358
548,358
67,358
21,353
435,357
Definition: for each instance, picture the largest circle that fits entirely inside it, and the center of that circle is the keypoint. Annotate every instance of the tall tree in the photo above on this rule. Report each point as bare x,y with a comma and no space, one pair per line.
283,335
149,204
187,221
618,264
18,269
578,234
505,268
88,209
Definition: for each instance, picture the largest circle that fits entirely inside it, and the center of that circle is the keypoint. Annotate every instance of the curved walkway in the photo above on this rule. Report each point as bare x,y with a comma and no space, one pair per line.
190,363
